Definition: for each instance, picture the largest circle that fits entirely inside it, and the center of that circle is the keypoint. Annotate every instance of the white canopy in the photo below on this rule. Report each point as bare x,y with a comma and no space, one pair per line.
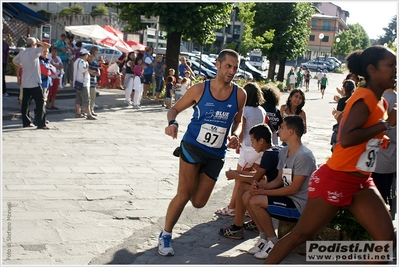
99,35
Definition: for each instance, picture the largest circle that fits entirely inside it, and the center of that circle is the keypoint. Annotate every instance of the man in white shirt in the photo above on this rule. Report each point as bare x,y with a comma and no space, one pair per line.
319,76
81,81
28,60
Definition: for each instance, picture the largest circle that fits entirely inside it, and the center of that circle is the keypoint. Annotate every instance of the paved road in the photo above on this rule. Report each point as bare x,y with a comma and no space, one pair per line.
96,192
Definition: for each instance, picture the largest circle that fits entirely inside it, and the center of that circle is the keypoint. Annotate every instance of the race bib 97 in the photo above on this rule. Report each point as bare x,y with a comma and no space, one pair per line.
211,135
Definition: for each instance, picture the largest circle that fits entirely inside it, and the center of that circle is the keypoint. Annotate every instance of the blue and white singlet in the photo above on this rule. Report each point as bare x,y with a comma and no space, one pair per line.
211,122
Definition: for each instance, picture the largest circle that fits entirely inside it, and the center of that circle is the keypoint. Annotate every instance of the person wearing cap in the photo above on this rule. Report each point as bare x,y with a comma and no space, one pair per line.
28,60
81,81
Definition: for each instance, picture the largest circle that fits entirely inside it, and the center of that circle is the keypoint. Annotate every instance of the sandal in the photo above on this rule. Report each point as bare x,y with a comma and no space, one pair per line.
80,116
226,211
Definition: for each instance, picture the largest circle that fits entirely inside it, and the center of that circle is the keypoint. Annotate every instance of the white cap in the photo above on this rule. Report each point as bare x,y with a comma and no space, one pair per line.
84,52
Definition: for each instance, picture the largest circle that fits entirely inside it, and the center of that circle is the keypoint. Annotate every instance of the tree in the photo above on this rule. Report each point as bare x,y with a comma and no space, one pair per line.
390,33
288,23
194,21
352,39
72,10
100,10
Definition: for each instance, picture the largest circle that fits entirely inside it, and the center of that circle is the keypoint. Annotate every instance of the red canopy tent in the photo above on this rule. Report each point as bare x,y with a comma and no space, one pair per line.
118,42
114,31
135,45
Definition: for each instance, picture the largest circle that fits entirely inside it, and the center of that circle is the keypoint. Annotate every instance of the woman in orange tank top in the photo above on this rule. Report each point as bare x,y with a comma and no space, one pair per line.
345,180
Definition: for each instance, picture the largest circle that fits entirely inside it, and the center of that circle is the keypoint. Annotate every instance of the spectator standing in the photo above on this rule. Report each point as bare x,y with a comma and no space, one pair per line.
307,78
183,66
78,47
28,60
54,60
187,76
149,70
159,70
271,94
129,78
46,70
294,105
219,104
139,68
348,88
385,171
285,197
81,81
299,79
169,93
94,72
345,179
63,54
292,80
71,59
6,57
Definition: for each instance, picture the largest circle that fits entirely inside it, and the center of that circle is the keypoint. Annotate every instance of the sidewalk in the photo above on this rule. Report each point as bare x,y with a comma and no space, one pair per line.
108,98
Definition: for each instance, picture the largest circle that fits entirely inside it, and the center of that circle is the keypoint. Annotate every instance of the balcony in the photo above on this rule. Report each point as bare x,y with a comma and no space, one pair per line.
324,28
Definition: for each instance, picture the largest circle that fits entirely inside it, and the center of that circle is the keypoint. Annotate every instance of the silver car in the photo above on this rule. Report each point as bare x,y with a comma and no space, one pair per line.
316,65
109,53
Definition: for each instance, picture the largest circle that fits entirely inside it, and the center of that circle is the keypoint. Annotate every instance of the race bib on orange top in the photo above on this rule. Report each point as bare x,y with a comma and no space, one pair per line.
367,160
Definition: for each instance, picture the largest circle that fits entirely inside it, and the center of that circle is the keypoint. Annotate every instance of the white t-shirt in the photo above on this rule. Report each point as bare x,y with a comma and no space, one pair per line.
319,76
55,64
253,116
183,88
81,72
292,78
113,68
29,59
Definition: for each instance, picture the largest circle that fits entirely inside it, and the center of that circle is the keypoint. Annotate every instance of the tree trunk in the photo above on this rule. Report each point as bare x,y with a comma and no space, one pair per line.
281,70
272,69
172,53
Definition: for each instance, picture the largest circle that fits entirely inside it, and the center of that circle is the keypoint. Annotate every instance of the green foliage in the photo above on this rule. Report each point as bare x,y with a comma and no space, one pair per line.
390,33
231,45
44,13
11,68
100,10
345,221
213,50
352,39
194,21
285,26
72,10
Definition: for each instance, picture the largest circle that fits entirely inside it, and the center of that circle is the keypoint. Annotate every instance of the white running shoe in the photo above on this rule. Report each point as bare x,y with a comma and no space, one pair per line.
258,247
165,246
264,253
128,102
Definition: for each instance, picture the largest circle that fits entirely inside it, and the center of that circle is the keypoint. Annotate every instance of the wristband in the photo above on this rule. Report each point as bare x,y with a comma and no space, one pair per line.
173,122
235,135
386,124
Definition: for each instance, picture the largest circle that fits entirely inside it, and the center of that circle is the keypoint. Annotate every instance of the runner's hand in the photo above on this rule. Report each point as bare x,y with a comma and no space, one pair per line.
171,130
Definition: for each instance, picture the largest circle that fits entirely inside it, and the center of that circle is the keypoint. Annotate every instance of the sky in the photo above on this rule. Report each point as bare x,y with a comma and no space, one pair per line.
373,16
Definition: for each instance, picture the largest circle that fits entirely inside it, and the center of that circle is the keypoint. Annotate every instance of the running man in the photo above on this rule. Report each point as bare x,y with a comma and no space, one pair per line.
218,106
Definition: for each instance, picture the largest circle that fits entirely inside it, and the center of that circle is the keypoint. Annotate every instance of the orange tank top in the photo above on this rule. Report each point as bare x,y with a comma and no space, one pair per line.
362,157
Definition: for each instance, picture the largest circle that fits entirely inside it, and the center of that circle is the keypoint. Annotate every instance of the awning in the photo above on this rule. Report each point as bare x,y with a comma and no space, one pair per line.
24,14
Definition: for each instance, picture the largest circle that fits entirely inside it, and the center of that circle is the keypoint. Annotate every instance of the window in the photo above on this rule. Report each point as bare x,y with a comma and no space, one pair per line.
314,22
326,25
311,37
326,39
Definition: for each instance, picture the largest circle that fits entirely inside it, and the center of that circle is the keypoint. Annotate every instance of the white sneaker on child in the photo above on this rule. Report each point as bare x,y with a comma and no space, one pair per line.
264,253
258,247
164,245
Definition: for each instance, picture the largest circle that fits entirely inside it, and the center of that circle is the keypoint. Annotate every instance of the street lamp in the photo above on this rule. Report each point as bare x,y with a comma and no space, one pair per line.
337,41
321,36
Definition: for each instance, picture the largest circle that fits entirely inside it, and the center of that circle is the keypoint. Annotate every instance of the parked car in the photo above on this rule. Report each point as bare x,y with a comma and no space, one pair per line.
109,53
241,74
195,66
257,74
329,62
206,62
316,65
